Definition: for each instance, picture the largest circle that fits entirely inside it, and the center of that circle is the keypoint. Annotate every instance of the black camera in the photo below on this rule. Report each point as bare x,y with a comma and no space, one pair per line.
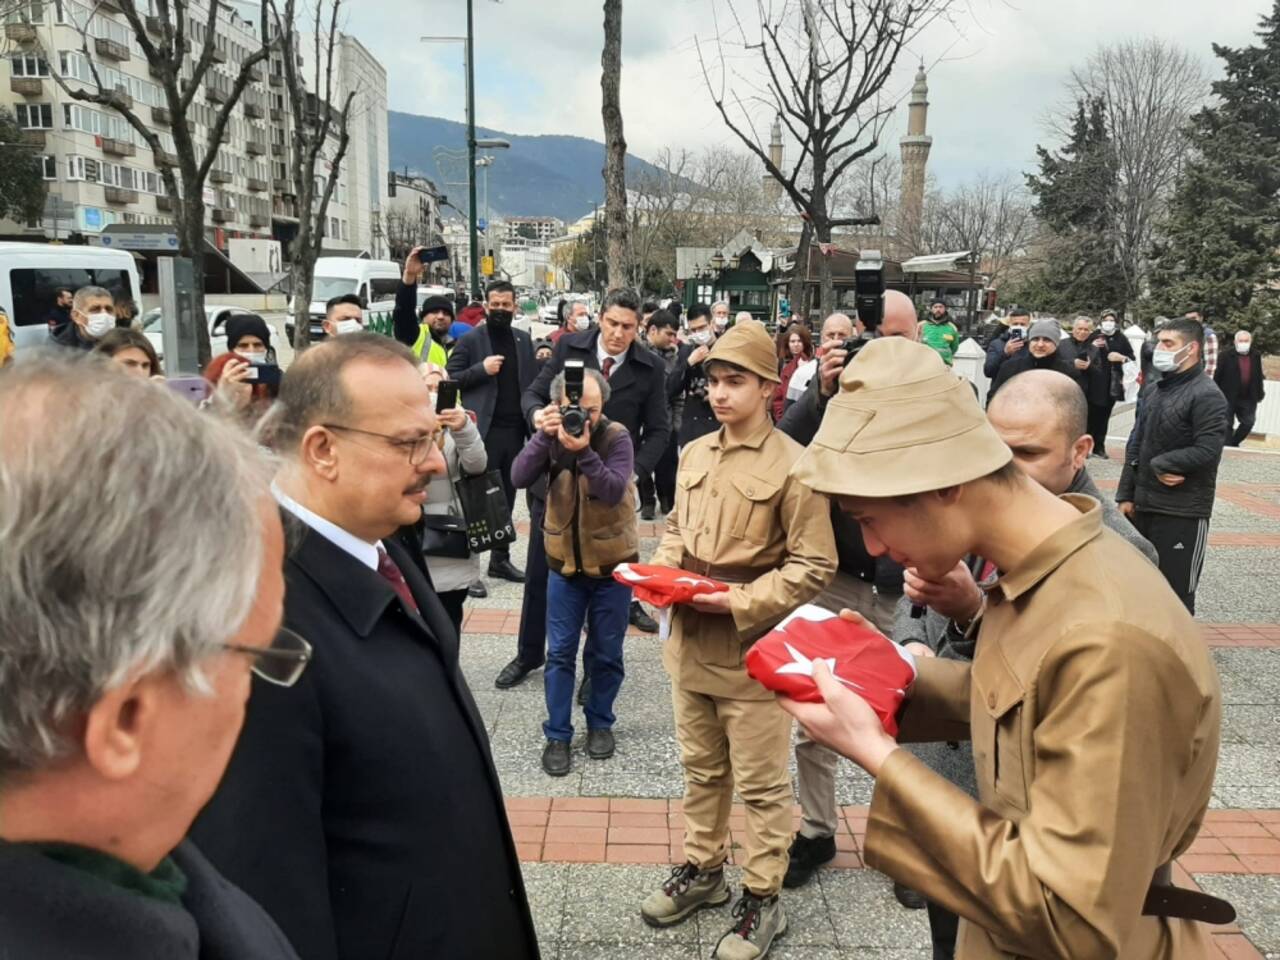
572,417
868,298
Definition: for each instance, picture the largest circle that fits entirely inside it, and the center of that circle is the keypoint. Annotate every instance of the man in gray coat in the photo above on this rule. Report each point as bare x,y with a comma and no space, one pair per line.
1043,417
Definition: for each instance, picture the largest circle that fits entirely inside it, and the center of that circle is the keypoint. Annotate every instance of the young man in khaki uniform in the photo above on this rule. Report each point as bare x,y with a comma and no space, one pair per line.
1094,713
741,519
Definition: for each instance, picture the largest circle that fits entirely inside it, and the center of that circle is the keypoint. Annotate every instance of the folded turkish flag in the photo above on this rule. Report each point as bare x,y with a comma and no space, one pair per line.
663,586
867,662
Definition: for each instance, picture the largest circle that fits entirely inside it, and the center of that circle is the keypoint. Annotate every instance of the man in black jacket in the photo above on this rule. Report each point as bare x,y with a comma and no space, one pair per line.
362,808
1010,343
1167,486
1239,376
687,383
638,401
1043,352
493,365
1091,355
425,329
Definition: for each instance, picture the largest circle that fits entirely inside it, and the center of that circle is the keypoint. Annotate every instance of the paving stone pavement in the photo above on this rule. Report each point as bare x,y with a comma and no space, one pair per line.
589,909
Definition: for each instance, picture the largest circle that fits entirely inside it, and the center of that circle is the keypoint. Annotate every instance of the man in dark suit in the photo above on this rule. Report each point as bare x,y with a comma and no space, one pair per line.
493,365
1239,377
362,808
637,400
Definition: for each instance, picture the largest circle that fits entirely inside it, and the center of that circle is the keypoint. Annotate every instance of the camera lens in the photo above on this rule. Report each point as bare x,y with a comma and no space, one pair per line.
573,420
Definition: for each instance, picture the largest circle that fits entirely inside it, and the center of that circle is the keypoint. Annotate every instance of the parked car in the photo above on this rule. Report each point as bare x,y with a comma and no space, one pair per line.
217,316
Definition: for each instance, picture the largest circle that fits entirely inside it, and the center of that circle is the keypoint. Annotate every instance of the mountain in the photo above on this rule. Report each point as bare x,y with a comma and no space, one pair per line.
539,176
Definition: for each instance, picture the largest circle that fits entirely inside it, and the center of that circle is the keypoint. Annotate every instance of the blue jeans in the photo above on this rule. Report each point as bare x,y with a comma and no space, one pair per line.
603,605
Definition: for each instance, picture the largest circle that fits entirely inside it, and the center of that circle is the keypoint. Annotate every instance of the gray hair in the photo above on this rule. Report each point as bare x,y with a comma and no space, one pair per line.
84,293
132,543
557,385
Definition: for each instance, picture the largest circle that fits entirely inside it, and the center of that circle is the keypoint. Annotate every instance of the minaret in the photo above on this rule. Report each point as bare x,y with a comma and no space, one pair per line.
915,156
772,188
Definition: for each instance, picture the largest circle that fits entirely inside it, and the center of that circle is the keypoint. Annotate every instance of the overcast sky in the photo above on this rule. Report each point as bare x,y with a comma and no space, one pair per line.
993,75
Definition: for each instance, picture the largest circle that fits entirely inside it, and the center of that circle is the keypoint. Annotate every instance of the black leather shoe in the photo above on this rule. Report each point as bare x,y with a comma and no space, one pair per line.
512,675
908,897
600,744
666,506
646,512
556,760
584,691
807,855
504,569
641,620
478,590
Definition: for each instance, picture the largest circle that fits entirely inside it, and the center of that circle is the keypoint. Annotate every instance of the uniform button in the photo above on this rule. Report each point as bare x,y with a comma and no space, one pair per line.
706,529
715,492
751,491
991,700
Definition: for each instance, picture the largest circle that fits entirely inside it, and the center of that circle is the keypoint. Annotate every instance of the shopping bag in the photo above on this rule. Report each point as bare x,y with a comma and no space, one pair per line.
484,504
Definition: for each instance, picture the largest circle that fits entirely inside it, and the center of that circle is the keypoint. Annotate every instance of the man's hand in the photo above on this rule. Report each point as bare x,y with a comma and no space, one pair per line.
1170,479
830,368
1082,364
717,602
1013,346
234,384
453,419
1115,356
1126,507
574,444
844,722
956,596
413,267
493,364
548,420
698,354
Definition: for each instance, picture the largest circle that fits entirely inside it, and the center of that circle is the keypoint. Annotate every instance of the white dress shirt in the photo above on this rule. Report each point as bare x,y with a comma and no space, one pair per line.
362,550
601,353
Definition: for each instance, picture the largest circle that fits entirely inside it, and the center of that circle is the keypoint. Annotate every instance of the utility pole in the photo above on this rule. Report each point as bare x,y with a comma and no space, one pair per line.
471,153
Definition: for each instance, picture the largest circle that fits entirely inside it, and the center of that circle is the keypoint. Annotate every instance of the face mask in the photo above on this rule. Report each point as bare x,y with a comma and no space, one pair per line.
343,327
500,318
254,356
1166,361
582,322
100,324
701,337
720,325
1108,327
1244,348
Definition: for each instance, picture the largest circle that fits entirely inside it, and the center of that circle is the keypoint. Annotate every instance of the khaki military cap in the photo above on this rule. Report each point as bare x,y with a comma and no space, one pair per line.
748,345
901,424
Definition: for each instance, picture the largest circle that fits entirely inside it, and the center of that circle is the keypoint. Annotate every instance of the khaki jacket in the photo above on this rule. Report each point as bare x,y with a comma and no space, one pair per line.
1094,715
736,507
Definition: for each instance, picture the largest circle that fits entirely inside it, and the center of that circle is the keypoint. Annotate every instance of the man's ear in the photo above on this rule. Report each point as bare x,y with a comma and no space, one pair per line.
318,453
116,727
1080,450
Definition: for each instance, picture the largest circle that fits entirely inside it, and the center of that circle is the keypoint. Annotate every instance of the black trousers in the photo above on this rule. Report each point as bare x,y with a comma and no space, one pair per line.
503,444
660,486
532,641
943,926
1181,543
1246,413
453,601
1099,419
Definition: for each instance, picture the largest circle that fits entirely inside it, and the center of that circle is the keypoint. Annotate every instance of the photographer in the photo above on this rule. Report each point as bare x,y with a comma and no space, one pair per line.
1010,343
589,528
429,335
687,383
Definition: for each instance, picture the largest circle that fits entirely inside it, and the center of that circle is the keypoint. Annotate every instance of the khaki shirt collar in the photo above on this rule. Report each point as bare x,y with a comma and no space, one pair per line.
753,440
1050,554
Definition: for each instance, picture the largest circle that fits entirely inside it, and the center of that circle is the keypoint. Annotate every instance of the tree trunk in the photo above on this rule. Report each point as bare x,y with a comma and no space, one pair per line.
615,145
798,289
190,228
826,284
304,259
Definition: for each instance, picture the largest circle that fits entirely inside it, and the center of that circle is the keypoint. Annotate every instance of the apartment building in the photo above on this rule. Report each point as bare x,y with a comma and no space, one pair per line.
540,229
413,213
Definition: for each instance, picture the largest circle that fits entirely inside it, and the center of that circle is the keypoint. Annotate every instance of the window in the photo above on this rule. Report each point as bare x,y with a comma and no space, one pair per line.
32,12
34,290
381,288
28,65
83,168
34,116
48,167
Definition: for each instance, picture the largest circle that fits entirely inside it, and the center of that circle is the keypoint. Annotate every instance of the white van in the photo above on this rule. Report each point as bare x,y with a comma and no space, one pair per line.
374,281
31,273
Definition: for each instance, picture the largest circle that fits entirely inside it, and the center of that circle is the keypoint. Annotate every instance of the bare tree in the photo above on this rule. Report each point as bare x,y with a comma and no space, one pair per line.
990,217
1149,89
615,145
166,39
316,122
660,195
824,65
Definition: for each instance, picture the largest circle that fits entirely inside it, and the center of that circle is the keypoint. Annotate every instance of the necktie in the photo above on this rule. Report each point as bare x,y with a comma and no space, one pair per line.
391,573
608,367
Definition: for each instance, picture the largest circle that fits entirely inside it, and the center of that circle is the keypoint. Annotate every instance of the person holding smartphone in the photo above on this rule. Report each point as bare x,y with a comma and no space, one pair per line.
1009,343
246,379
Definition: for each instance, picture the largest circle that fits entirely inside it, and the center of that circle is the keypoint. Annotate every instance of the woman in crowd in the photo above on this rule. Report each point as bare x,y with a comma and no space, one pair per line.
463,451
132,351
797,350
234,372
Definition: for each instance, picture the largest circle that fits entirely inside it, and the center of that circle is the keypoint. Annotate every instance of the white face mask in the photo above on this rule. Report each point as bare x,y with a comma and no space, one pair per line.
1243,347
583,321
256,357
701,337
1166,361
100,324
1108,327
343,327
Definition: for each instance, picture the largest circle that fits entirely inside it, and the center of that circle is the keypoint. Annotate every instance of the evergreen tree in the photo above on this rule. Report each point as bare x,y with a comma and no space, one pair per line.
22,186
1071,193
1221,245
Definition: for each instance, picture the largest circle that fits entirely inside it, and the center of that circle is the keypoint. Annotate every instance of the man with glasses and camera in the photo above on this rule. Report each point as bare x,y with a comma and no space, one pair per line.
125,663
362,807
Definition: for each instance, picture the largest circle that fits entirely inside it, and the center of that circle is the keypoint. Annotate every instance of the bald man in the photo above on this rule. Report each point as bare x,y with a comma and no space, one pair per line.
836,329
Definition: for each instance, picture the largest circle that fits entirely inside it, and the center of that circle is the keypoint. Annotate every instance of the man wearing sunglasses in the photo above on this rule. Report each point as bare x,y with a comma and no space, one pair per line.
125,663
362,808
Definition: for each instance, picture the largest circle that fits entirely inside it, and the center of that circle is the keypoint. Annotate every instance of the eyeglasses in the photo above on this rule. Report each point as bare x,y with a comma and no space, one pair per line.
417,448
281,663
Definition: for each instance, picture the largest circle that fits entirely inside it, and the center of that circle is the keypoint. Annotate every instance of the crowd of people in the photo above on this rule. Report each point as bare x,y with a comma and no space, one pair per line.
343,804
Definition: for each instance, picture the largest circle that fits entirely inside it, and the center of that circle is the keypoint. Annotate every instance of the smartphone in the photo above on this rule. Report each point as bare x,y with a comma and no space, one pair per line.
1016,333
446,396
265,373
195,389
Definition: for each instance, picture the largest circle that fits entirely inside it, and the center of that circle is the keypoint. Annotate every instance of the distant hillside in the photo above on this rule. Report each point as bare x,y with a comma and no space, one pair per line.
539,176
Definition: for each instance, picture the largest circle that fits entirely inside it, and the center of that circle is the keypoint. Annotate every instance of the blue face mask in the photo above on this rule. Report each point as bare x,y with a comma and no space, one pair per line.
1166,361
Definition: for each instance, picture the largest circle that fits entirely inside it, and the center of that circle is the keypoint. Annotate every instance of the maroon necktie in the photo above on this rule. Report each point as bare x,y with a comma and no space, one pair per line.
608,367
391,573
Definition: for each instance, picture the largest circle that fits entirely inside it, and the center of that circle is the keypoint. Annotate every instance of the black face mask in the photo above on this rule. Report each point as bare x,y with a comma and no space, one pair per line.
499,318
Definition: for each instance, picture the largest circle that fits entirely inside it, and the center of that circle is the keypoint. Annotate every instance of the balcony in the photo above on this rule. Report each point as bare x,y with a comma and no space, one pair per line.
277,80
161,115
257,185
254,110
255,148
120,195
165,158
255,73
20,32
154,26
110,6
34,138
26,86
118,148
215,94
110,48
220,215
120,98
218,56
258,220
282,186
220,176
164,203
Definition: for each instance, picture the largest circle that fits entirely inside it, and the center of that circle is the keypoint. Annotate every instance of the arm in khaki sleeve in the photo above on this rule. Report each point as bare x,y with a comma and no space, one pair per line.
1069,880
939,704
809,565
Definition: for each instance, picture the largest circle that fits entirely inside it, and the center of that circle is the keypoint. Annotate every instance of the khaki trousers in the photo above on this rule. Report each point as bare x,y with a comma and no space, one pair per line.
724,743
815,764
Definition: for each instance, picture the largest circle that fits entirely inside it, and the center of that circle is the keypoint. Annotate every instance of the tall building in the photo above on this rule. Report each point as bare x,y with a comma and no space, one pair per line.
772,188
915,157
413,213
541,229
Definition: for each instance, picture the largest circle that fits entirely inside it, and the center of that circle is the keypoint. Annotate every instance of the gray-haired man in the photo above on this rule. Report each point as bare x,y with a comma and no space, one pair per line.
127,635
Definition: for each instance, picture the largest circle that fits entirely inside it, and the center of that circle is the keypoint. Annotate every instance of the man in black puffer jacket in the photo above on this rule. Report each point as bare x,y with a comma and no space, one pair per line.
1171,471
